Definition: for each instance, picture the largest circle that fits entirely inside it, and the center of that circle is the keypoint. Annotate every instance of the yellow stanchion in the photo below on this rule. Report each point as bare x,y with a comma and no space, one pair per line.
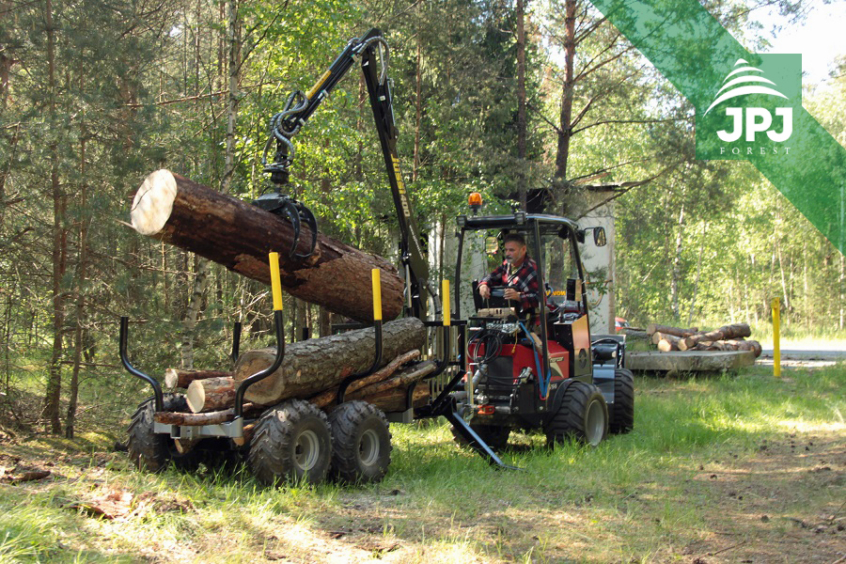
377,294
776,339
275,281
445,300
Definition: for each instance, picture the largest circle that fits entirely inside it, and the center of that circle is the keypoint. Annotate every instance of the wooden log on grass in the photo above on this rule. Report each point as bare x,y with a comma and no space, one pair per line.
238,235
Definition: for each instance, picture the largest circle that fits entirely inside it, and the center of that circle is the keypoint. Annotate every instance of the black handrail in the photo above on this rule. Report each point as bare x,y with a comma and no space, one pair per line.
124,336
262,374
342,389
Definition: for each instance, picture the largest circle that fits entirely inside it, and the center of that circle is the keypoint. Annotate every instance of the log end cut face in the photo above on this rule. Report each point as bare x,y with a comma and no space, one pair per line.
153,202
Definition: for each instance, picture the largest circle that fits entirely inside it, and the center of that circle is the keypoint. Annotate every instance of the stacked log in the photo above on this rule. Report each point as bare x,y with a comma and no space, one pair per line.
314,370
726,338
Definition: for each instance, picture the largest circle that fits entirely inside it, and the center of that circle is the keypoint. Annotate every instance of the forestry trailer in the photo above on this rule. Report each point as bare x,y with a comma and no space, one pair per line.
497,370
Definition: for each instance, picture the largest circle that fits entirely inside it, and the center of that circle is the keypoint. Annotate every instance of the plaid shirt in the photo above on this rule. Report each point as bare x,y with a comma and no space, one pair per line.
525,281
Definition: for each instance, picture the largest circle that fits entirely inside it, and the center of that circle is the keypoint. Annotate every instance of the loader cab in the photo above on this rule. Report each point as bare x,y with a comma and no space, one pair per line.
519,358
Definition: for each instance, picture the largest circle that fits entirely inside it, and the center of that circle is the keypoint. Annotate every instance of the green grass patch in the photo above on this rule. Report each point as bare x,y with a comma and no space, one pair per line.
710,461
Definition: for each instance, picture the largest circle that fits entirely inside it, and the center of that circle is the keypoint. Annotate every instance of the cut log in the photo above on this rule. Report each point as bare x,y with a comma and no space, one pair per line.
316,365
394,400
652,328
211,394
403,380
177,378
191,419
239,236
666,343
723,333
328,397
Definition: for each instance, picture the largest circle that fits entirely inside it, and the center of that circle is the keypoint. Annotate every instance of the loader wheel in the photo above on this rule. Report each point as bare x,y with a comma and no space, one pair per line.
292,442
583,416
622,412
154,452
361,442
495,436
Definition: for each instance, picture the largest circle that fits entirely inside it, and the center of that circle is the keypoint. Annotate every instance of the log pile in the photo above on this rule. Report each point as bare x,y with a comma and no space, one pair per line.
312,370
726,338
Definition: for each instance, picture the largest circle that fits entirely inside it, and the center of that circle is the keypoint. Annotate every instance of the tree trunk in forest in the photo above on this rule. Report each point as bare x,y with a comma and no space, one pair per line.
239,236
521,100
698,273
234,52
195,303
565,130
81,277
418,111
59,244
676,279
317,365
723,333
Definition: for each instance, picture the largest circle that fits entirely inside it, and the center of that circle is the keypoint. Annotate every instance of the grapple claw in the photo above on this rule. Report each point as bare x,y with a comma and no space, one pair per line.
286,206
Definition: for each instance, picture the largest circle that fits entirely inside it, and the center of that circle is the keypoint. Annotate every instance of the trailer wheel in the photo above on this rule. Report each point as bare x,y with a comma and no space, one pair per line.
361,441
622,412
494,435
292,442
583,416
154,452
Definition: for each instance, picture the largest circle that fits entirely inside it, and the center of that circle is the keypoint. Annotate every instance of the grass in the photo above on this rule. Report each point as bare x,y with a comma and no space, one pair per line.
712,463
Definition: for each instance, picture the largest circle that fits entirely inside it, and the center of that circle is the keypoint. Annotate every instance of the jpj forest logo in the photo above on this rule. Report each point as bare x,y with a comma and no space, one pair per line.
751,114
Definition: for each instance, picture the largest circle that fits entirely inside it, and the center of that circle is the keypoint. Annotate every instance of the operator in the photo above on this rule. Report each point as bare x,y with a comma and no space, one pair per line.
518,273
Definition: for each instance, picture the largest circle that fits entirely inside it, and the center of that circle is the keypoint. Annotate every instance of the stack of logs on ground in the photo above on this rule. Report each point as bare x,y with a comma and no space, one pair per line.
726,338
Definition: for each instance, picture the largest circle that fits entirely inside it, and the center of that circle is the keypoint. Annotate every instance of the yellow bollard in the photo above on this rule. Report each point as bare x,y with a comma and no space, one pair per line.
275,281
776,340
377,294
445,300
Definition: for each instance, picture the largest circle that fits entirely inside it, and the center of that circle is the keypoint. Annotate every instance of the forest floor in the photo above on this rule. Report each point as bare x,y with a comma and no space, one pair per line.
735,468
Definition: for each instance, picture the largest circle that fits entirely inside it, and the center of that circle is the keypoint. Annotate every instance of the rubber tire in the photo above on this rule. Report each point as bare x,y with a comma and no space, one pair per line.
361,440
495,436
583,416
154,452
282,432
622,411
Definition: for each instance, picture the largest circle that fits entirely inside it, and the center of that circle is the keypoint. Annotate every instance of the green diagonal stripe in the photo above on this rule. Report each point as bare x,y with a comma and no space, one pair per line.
695,53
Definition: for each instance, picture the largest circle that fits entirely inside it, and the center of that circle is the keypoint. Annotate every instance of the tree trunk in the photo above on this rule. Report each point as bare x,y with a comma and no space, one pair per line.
211,394
54,373
317,365
521,100
402,380
240,236
565,130
189,322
